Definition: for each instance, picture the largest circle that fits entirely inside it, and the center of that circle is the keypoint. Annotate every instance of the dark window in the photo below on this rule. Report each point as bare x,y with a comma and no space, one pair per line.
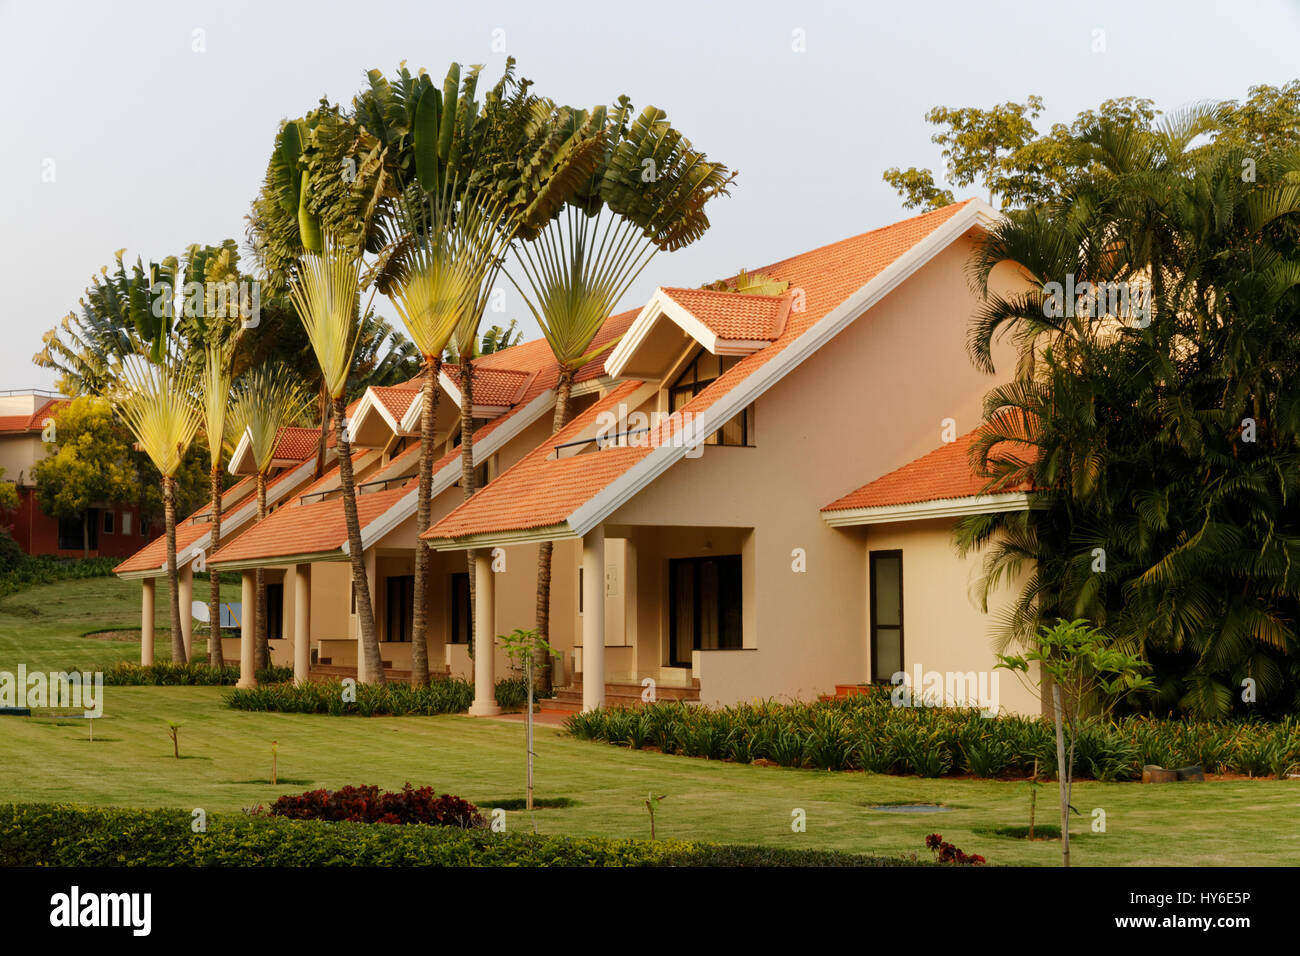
460,613
71,529
145,522
700,374
579,590
704,606
108,522
401,608
886,614
274,612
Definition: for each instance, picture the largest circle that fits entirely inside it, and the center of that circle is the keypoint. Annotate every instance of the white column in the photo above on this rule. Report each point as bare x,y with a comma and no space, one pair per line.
301,622
247,630
485,649
186,595
147,586
593,619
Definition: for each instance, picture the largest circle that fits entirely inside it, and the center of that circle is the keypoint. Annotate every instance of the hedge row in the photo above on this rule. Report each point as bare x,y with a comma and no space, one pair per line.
868,733
28,571
444,696
55,835
168,674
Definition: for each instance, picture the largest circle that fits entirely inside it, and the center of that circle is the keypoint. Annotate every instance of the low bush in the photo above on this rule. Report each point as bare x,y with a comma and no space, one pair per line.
55,835
24,571
867,732
167,674
368,804
443,696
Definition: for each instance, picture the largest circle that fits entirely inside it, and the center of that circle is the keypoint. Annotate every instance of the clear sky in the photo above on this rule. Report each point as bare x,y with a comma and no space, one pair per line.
155,145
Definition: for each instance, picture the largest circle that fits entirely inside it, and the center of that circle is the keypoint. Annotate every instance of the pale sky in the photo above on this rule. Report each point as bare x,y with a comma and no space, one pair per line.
155,146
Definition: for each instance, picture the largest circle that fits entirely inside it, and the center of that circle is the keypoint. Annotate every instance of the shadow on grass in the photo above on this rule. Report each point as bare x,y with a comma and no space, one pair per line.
519,803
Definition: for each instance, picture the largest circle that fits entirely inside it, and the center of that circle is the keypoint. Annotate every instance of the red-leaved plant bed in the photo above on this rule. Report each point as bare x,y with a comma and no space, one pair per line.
945,852
371,805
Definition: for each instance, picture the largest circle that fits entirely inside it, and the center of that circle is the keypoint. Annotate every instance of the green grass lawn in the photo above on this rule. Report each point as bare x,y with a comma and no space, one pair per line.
226,762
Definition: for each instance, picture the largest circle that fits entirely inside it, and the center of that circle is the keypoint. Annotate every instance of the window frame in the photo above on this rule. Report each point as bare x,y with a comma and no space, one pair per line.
873,626
696,563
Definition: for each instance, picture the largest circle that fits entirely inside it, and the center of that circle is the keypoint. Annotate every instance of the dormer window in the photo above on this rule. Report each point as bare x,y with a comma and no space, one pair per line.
701,373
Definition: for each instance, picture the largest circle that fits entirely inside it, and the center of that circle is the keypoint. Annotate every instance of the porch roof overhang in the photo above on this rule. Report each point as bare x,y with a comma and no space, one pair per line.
279,487
923,510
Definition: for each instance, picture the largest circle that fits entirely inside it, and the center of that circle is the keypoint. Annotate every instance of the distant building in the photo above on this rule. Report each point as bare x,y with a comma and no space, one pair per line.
114,529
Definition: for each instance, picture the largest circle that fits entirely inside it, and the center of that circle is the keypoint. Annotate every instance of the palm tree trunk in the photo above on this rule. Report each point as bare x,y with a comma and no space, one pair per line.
541,658
324,429
428,421
214,577
467,470
262,650
360,584
174,599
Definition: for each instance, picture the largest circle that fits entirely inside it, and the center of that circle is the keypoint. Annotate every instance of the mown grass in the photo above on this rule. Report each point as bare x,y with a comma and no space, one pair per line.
225,765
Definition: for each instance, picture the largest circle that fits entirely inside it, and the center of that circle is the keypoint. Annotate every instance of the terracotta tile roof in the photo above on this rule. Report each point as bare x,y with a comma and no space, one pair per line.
495,386
396,399
296,444
154,554
541,492
730,315
939,475
319,526
315,527
32,422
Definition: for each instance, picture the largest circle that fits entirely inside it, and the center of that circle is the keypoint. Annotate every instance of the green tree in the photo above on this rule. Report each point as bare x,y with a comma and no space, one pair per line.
1088,677
1165,440
88,464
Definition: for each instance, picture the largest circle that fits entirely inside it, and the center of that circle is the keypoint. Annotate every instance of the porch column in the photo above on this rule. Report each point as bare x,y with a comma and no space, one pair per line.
301,622
485,650
146,620
186,594
247,630
593,619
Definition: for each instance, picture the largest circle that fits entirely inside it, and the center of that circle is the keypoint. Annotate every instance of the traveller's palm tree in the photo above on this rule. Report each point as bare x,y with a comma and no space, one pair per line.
267,399
157,402
214,403
642,188
325,293
444,272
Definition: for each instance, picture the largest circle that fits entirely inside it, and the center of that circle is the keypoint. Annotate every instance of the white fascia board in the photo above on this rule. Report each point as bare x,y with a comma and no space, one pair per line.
370,404
660,304
450,387
556,532
406,506
244,449
727,407
922,510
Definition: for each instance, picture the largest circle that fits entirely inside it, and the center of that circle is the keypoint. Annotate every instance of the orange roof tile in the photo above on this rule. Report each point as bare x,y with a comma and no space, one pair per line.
34,421
396,399
731,315
296,444
942,474
540,491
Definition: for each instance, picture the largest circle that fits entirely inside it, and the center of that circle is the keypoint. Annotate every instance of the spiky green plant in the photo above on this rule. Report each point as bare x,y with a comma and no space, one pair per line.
324,292
157,402
266,399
